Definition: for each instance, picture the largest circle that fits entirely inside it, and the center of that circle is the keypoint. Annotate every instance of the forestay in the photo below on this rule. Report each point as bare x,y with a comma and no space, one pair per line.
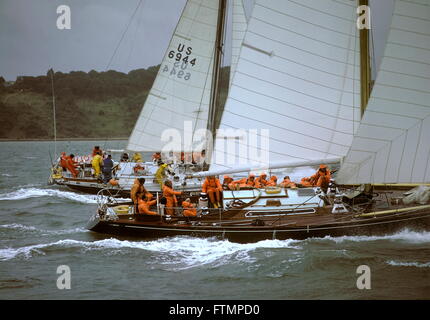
181,90
298,77
392,144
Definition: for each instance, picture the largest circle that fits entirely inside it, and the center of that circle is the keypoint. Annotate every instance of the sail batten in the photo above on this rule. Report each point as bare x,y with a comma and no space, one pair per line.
398,112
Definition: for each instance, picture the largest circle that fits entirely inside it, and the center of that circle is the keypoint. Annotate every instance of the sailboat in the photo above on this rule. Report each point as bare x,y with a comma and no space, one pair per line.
303,74
183,98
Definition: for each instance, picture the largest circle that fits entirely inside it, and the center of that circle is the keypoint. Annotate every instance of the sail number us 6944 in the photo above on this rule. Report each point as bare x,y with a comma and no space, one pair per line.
182,59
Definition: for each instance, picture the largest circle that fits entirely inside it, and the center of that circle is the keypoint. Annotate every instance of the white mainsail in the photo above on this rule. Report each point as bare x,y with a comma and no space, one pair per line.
298,77
239,25
181,91
392,144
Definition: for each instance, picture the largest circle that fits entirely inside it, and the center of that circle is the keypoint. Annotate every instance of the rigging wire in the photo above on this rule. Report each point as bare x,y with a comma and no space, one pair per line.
123,34
119,43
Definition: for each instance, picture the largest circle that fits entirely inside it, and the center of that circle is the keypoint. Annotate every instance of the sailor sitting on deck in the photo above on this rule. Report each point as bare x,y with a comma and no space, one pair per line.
261,181
320,179
189,208
212,187
272,181
144,204
250,182
243,183
287,183
227,183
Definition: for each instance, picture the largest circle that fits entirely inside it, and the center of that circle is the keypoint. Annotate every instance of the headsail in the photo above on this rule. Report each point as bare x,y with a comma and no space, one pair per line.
297,76
181,90
392,142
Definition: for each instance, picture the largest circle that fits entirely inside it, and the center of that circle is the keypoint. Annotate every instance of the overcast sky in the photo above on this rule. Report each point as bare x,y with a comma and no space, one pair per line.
31,43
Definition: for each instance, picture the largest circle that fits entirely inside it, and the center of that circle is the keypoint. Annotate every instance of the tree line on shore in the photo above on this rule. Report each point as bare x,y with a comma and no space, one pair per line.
88,104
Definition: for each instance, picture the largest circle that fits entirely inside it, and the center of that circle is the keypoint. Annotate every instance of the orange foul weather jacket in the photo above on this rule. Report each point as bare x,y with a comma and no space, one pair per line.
170,196
287,183
137,188
213,188
71,166
261,181
189,209
272,182
319,179
144,206
211,185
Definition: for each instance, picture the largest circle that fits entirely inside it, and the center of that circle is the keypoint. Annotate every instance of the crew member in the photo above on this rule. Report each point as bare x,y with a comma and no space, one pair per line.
97,164
189,208
71,165
170,196
97,150
156,156
145,203
261,181
273,181
238,184
213,188
107,169
227,183
320,179
137,157
287,183
124,157
161,173
63,161
138,188
250,182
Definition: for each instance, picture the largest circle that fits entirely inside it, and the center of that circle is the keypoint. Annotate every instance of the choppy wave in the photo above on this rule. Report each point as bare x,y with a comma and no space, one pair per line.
405,235
6,175
24,228
27,193
178,252
181,253
408,264
192,252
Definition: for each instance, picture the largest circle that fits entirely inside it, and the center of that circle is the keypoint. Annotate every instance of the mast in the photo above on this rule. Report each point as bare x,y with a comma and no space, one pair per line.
53,110
365,75
218,54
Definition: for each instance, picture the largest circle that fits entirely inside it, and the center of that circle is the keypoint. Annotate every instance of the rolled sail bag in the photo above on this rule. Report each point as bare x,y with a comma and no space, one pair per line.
420,194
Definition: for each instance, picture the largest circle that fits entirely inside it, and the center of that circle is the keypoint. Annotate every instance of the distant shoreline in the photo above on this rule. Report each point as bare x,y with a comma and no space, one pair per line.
64,139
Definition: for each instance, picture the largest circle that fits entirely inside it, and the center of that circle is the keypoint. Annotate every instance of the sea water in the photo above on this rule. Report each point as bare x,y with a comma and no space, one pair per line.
42,227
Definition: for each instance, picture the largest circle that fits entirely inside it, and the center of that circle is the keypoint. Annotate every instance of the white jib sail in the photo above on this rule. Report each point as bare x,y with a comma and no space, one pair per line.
177,105
392,144
296,87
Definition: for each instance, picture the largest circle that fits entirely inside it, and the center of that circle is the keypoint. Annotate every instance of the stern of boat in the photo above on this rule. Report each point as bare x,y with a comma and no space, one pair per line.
56,176
108,210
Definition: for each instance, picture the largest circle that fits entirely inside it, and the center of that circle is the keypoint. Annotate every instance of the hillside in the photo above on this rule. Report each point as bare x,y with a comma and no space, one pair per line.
88,105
